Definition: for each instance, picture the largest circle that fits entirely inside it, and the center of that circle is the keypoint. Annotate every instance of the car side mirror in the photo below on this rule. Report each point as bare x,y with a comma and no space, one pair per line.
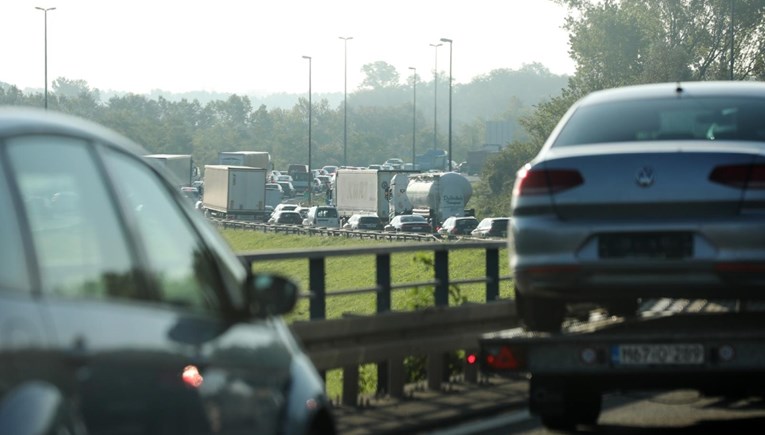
271,295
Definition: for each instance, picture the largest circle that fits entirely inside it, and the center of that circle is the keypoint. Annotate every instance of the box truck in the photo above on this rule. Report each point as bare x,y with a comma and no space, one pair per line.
253,159
180,167
235,192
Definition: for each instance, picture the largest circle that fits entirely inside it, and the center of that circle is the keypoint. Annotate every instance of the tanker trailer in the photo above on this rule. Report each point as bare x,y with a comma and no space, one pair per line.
439,195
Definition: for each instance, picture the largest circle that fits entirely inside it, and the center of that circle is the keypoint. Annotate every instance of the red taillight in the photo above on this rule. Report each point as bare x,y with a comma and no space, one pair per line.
505,358
471,359
740,176
547,181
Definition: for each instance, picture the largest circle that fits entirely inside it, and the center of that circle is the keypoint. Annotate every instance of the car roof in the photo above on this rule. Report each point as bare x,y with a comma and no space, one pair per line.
672,90
15,120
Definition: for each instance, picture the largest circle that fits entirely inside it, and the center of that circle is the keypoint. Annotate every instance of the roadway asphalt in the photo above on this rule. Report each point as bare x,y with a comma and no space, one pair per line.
425,410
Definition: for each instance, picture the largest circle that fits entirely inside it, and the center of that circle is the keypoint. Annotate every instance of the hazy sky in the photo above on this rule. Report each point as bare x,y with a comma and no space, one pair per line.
243,46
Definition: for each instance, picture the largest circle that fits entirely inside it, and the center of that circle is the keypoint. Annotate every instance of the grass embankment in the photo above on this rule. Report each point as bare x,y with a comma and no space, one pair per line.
359,271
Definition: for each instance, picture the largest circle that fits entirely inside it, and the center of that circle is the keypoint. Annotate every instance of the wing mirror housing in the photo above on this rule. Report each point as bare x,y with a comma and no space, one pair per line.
271,295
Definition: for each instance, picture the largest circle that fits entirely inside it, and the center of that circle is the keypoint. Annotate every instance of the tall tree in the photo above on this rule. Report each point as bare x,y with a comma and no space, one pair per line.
379,75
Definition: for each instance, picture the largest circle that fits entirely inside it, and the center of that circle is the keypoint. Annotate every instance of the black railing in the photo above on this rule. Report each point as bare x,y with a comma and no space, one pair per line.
441,281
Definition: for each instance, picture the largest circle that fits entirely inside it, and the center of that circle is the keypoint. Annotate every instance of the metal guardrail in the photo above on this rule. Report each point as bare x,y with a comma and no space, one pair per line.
441,281
322,231
388,337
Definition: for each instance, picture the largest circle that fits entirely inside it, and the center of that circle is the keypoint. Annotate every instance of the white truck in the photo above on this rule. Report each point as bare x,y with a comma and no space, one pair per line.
439,195
179,166
253,159
363,191
235,192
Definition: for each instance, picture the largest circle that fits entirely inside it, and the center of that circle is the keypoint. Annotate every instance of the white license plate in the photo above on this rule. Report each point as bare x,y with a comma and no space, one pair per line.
660,354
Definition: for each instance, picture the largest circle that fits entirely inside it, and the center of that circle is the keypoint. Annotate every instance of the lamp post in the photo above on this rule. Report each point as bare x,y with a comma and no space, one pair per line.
414,113
450,100
435,96
310,179
345,100
45,11
732,12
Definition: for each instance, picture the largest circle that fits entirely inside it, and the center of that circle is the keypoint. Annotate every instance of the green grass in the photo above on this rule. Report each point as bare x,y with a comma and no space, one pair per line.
359,271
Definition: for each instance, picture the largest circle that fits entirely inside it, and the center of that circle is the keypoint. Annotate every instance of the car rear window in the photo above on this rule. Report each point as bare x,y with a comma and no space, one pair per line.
665,119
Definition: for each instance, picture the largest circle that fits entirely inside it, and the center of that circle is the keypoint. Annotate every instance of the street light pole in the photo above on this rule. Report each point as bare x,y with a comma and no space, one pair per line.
345,100
450,100
435,96
310,109
45,10
414,114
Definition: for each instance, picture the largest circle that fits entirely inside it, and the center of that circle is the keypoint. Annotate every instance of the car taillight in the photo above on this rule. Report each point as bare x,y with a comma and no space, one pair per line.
546,181
505,358
740,176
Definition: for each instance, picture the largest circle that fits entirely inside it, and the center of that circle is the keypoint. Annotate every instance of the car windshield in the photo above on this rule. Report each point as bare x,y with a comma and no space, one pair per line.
665,119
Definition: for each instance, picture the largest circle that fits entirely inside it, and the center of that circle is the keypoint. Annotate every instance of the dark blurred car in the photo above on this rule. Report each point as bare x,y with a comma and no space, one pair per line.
364,222
287,217
410,223
641,192
491,227
458,225
128,313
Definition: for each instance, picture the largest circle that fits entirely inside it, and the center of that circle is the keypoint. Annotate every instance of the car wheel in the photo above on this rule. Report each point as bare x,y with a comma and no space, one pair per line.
564,405
539,314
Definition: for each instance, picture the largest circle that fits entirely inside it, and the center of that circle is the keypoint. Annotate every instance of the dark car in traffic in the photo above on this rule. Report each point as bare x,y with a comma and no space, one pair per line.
491,227
409,223
287,217
125,311
458,225
364,222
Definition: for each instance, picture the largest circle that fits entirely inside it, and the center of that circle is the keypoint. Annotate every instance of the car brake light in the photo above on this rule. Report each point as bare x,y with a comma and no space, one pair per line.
741,176
546,181
505,358
471,359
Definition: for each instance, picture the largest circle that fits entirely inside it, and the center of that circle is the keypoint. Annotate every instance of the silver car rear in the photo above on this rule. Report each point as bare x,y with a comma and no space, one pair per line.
654,190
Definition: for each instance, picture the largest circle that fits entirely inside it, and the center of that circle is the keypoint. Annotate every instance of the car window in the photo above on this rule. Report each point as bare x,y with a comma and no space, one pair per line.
176,256
662,119
326,212
13,273
80,246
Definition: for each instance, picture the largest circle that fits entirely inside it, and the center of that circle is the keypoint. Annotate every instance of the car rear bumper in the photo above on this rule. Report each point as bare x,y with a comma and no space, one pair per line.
564,260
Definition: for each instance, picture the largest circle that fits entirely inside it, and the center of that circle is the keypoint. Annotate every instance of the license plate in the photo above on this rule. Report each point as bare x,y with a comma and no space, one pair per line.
657,354
645,245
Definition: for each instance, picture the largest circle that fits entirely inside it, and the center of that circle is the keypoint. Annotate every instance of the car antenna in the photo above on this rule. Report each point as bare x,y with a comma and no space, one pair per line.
679,88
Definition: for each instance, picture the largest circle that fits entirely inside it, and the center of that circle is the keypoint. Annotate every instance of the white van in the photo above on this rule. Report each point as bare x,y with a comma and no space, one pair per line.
322,216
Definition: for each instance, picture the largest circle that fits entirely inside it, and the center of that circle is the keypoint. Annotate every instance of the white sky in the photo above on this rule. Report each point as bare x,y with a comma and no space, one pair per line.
243,46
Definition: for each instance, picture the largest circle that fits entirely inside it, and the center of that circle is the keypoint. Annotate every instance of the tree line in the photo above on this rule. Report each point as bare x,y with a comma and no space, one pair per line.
381,121
626,42
614,43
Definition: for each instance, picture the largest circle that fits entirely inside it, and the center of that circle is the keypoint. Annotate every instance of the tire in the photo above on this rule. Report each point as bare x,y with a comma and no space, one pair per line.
562,405
539,314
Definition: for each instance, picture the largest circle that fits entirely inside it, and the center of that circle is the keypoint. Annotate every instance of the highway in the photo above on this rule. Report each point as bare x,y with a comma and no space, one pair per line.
498,405
675,412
